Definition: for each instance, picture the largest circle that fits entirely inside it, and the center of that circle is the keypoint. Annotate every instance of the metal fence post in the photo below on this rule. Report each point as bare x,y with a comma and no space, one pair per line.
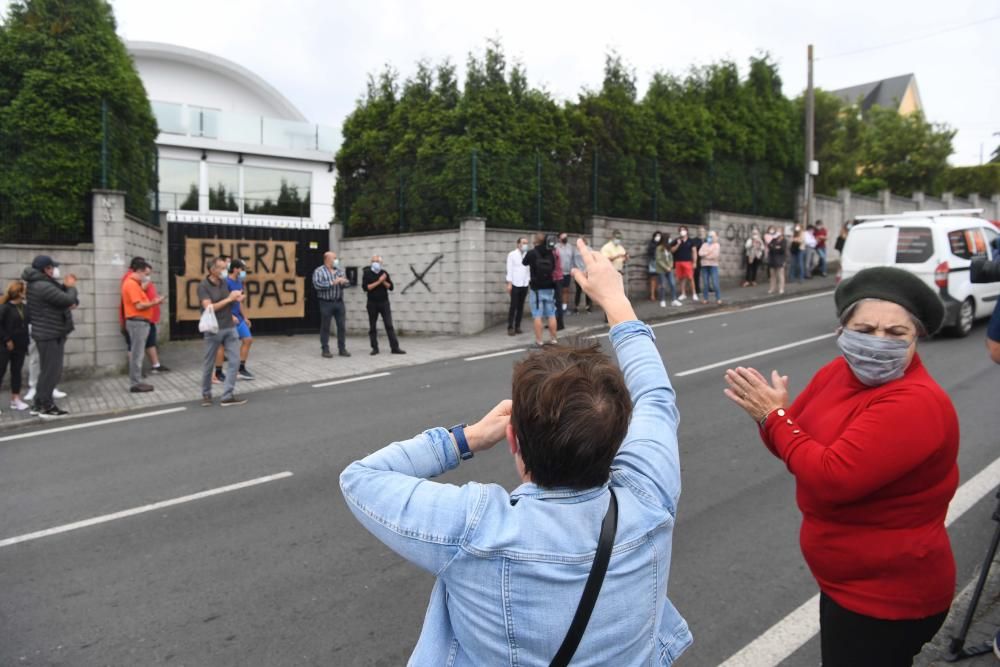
400,224
656,186
156,186
594,185
475,185
104,144
538,180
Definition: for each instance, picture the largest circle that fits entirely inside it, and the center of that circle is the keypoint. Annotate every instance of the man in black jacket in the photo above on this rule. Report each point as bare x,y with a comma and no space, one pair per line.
50,308
542,287
376,282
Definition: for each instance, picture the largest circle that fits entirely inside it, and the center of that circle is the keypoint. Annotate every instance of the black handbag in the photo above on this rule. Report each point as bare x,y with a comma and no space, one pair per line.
609,528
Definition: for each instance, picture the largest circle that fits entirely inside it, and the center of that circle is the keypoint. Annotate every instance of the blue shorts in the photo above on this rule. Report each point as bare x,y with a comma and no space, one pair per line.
242,330
543,302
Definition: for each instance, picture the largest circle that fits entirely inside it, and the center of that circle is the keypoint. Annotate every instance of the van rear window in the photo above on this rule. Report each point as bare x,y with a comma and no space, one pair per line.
967,243
914,245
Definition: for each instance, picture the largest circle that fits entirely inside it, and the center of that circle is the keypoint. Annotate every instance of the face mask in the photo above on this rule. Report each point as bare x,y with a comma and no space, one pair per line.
376,267
55,272
336,263
711,239
524,247
684,233
618,241
562,240
873,359
656,239
145,280
243,275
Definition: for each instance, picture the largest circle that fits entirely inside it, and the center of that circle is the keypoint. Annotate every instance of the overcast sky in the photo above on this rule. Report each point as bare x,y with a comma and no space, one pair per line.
319,53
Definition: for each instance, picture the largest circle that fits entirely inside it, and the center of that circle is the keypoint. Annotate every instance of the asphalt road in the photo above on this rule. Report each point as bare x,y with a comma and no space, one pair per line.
279,573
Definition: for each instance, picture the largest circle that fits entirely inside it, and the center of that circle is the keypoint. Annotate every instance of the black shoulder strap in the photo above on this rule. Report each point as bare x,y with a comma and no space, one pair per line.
592,589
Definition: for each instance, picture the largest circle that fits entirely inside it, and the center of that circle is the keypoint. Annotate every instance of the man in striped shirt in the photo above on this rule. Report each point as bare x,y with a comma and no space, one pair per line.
329,281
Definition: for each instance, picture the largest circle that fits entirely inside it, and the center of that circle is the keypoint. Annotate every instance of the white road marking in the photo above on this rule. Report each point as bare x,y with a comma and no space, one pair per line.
141,510
357,379
494,354
770,304
100,422
789,634
770,350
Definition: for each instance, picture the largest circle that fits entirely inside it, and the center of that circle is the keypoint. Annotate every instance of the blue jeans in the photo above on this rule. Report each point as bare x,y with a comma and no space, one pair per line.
821,253
543,303
797,272
710,282
664,280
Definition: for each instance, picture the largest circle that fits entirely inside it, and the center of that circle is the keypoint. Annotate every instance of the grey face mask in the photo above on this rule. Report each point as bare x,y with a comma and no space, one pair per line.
873,359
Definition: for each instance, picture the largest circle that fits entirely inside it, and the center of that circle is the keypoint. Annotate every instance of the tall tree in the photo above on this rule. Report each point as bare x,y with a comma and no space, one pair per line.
59,59
903,153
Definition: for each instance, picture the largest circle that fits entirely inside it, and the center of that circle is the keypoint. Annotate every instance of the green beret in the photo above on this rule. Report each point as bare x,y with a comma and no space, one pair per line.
895,285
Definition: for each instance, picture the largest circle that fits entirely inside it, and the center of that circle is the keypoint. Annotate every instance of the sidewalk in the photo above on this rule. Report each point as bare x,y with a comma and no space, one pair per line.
985,622
279,361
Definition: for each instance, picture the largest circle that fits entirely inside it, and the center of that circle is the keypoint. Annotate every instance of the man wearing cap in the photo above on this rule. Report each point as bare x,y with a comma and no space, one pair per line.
50,308
872,442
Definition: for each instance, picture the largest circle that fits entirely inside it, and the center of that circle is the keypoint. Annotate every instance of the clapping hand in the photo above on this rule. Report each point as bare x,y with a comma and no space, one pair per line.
751,391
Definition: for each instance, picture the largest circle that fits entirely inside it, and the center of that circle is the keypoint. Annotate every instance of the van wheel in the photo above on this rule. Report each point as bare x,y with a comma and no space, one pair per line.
963,323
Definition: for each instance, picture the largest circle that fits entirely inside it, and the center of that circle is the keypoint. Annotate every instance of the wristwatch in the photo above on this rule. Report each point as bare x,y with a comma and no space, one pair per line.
458,430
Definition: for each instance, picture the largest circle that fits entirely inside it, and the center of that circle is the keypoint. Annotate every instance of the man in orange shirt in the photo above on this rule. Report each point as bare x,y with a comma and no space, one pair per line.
137,310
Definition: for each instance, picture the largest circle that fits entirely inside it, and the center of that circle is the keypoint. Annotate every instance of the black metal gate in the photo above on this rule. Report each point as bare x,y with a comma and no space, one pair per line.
310,244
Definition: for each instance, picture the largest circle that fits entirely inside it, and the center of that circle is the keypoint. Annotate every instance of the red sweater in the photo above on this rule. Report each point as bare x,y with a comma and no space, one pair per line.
875,469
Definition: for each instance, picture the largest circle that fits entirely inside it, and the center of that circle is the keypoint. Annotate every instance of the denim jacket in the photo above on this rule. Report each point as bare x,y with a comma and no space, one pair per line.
511,567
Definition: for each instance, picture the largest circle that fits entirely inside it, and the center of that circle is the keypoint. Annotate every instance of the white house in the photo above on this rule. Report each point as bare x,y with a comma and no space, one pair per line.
232,149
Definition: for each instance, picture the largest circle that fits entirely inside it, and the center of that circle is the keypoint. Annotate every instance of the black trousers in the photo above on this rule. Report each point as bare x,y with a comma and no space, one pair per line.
849,639
15,358
50,362
516,310
376,308
752,266
332,310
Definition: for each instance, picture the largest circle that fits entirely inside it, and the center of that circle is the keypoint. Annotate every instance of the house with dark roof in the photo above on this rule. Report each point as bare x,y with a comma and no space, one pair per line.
899,93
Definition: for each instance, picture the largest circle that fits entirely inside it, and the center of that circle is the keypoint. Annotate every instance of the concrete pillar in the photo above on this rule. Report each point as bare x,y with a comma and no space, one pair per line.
995,213
885,196
471,259
336,234
918,198
974,200
844,195
949,199
110,262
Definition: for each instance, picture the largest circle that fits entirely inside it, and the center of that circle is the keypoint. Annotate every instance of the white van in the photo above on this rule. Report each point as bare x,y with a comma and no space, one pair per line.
937,246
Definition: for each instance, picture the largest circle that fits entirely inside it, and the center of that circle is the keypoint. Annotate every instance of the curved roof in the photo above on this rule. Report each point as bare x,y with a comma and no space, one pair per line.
226,68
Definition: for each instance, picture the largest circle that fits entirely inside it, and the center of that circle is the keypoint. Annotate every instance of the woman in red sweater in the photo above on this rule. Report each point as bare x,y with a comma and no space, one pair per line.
872,442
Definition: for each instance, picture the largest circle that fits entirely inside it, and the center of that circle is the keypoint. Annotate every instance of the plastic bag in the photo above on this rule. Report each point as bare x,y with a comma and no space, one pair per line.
208,322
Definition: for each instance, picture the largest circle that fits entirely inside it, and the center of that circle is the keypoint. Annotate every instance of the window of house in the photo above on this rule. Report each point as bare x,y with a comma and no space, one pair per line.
223,187
276,192
179,180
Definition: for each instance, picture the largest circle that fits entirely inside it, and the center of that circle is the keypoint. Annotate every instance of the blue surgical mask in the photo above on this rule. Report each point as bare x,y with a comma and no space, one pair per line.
873,359
376,267
243,275
524,247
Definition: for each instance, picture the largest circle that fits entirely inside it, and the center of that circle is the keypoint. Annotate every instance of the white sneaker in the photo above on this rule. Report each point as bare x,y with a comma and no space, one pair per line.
694,298
18,405
683,296
30,396
58,394
675,302
663,304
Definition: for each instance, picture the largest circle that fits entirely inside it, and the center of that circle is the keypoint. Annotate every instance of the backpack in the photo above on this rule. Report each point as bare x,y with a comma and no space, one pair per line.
545,264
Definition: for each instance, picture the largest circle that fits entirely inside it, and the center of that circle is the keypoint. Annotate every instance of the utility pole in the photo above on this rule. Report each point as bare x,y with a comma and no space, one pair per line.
809,201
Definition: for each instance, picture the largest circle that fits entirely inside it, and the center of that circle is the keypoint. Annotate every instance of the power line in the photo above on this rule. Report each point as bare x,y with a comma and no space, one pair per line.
911,39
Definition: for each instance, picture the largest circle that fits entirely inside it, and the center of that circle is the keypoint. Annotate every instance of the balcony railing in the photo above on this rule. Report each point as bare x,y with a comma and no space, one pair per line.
193,121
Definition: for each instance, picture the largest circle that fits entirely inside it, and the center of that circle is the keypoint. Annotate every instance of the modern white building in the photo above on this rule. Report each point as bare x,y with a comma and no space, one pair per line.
232,149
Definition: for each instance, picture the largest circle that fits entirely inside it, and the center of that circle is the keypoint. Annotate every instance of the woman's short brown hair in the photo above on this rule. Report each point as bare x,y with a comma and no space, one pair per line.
571,411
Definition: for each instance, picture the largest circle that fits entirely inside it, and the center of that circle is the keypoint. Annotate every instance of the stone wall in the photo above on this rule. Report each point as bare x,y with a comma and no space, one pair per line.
734,229
635,235
96,344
